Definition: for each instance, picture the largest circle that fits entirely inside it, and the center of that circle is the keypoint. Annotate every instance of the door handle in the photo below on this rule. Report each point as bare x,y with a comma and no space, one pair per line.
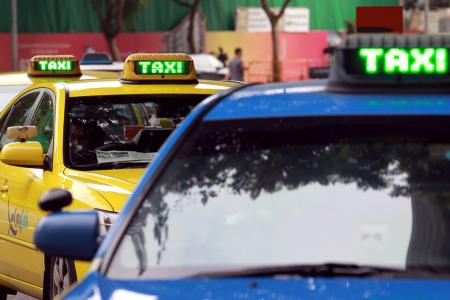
3,188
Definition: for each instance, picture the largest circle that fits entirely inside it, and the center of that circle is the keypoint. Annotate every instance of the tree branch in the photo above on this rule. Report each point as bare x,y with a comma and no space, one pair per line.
267,10
182,3
272,16
109,12
195,5
97,9
283,8
107,20
119,16
109,9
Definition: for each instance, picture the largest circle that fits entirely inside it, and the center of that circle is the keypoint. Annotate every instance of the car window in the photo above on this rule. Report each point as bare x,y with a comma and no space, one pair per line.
283,192
122,131
8,92
19,114
96,58
43,120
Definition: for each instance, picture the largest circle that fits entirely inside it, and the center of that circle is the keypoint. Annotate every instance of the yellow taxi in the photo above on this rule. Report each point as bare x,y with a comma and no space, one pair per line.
13,82
93,138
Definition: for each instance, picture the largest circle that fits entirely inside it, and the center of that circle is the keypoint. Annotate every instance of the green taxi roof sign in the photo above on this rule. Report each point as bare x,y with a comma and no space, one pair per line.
159,67
392,60
403,60
156,67
54,65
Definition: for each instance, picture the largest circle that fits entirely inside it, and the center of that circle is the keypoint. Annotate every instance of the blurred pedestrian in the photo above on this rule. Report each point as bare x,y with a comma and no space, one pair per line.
223,57
236,66
88,49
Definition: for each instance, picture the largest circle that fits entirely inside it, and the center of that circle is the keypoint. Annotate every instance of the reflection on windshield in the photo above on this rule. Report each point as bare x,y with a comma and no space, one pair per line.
113,131
375,190
8,92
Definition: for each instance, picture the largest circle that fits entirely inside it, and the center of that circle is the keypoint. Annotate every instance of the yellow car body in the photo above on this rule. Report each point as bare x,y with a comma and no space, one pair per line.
13,82
22,266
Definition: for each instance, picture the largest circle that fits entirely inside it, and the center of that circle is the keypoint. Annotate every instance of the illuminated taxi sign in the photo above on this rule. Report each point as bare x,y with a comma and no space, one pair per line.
391,60
403,60
165,67
57,65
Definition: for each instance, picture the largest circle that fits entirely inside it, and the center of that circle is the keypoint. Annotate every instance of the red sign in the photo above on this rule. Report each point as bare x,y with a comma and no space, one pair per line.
376,19
6,52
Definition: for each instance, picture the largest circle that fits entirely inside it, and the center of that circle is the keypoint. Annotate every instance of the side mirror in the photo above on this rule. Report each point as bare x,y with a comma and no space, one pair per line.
69,234
55,200
21,133
66,234
23,154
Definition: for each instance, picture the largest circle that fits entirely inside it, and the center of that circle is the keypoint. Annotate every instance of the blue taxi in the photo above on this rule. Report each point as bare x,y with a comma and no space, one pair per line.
334,189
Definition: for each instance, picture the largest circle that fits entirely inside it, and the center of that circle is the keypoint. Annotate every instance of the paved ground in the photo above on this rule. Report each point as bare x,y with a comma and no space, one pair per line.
20,297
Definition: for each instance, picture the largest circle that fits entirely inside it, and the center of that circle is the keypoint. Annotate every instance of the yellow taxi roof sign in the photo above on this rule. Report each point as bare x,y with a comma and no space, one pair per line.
54,65
161,67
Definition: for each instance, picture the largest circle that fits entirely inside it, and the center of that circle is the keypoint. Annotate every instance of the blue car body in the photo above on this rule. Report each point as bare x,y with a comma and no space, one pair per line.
98,287
268,101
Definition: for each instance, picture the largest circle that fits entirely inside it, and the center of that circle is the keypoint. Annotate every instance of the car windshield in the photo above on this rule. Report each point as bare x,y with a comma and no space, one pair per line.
281,192
8,92
106,132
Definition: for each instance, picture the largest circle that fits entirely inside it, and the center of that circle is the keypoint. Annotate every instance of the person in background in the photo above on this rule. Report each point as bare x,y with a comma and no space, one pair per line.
89,49
236,66
223,57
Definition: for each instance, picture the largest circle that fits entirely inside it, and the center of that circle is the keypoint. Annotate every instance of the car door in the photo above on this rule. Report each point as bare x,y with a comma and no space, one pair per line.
20,189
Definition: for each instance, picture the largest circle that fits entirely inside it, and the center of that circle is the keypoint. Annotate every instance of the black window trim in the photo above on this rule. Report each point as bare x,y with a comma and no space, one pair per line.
39,101
48,159
7,114
34,107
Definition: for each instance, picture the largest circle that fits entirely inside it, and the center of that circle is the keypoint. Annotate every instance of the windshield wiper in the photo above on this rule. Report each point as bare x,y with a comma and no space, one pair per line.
325,270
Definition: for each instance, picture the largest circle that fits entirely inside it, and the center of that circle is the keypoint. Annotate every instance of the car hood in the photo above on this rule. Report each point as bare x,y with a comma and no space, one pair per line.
98,287
114,185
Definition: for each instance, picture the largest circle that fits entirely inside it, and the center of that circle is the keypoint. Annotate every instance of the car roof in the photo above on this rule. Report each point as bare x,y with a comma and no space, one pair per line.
22,78
114,67
311,98
206,62
116,87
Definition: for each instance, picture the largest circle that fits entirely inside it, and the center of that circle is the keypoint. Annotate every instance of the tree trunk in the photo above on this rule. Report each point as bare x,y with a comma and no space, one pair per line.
113,48
429,244
191,40
276,66
274,18
192,18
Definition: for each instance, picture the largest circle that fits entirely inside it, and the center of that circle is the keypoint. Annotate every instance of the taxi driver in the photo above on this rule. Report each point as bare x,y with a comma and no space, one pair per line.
84,138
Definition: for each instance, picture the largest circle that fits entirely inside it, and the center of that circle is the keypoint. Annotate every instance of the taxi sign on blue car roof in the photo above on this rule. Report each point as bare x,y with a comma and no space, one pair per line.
401,61
164,67
54,65
392,60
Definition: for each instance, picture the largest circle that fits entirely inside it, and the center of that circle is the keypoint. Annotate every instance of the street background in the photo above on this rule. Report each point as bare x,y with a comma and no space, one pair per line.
58,27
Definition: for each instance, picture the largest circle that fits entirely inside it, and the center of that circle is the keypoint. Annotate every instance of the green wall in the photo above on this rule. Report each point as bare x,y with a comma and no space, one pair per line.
163,15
